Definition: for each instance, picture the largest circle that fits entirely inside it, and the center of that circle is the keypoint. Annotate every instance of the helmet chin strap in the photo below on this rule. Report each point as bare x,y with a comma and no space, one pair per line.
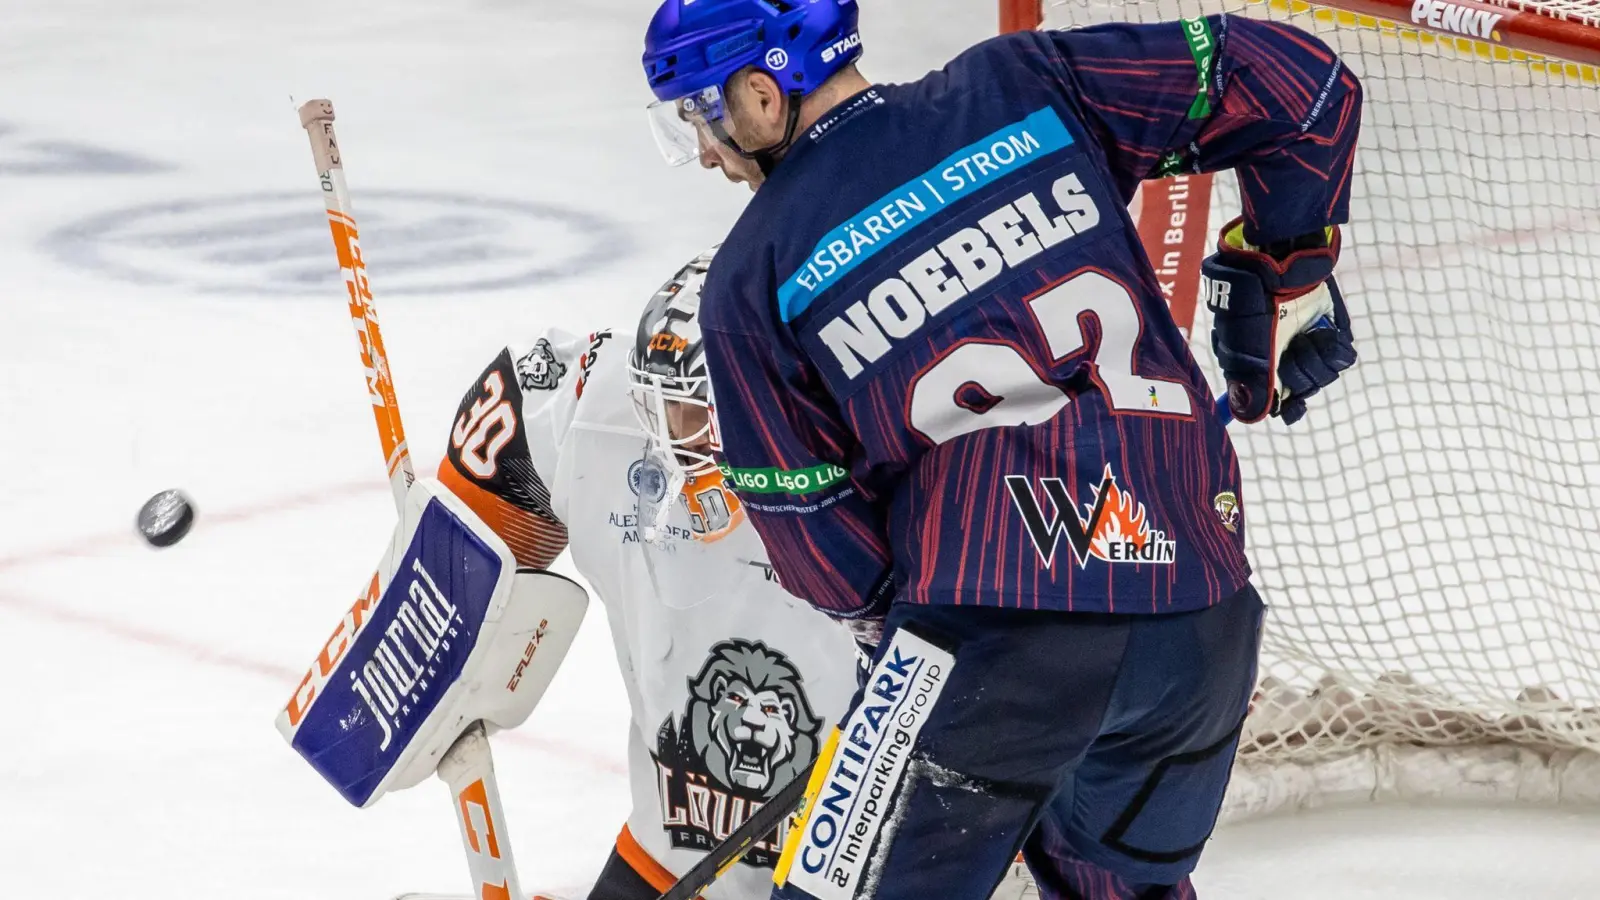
767,157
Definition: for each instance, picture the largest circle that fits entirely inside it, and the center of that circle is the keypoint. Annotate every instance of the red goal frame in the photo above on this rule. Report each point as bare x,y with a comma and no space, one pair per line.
1559,34
1171,213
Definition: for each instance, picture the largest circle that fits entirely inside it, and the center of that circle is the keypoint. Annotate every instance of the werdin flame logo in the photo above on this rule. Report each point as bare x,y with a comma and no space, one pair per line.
1112,528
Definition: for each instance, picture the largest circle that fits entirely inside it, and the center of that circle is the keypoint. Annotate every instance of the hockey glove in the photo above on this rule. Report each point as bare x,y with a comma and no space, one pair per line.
1279,326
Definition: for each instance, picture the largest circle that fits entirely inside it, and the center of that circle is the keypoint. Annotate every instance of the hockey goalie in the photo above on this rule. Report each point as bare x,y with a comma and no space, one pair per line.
576,442
570,441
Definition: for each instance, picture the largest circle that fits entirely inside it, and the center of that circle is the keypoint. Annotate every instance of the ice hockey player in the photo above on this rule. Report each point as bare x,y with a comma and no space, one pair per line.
733,682
956,408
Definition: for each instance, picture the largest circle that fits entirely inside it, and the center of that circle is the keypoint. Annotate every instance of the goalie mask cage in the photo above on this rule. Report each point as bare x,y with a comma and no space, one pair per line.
1428,537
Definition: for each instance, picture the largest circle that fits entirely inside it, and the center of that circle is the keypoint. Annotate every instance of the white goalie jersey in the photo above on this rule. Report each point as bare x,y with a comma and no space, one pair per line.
732,682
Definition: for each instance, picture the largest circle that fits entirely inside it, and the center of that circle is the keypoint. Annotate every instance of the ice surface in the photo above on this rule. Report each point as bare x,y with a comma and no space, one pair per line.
169,318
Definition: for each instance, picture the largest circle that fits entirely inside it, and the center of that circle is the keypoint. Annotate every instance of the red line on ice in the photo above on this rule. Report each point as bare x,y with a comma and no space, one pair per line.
200,653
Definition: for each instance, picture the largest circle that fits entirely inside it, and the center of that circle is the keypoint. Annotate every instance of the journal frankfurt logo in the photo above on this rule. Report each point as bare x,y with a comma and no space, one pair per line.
417,243
1112,528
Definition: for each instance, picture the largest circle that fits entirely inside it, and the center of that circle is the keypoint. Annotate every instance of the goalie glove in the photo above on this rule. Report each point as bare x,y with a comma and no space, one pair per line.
1279,326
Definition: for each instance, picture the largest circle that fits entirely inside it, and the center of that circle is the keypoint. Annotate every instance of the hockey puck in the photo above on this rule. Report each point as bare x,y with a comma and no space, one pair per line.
166,518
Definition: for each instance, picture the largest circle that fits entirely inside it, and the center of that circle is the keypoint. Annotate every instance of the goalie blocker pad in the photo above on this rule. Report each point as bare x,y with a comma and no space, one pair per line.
447,632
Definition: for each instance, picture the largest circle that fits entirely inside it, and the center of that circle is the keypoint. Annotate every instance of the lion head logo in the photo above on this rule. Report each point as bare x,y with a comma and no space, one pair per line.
749,720
540,370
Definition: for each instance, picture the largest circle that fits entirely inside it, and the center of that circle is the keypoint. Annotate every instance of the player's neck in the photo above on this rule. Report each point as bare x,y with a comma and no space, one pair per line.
833,92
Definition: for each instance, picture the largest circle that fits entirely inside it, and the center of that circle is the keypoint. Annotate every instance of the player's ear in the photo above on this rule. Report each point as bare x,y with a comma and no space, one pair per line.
766,98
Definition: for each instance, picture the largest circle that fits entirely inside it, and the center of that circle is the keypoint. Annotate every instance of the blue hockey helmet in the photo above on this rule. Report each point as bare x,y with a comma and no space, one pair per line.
693,47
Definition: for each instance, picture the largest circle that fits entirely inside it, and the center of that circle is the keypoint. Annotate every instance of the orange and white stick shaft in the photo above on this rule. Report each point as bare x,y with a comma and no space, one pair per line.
468,767
316,116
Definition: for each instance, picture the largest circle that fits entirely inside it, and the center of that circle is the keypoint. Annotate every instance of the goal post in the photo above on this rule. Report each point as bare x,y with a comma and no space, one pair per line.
1021,15
1428,538
1564,30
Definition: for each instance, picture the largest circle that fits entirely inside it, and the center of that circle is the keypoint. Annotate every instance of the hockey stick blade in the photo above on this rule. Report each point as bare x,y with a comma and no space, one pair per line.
721,858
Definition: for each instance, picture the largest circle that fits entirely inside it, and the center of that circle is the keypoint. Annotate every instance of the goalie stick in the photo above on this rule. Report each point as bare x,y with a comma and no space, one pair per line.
468,767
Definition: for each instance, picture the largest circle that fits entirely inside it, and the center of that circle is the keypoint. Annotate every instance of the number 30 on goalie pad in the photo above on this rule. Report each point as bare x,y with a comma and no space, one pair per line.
447,632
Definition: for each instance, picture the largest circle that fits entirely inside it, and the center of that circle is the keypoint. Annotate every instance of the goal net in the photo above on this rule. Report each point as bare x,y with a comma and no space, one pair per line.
1428,538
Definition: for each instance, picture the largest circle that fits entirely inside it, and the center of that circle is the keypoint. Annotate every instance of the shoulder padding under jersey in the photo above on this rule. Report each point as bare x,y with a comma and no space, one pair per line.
506,441
448,632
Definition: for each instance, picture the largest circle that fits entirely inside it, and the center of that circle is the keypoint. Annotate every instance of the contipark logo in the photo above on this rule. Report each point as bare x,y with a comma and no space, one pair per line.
784,481
1457,18
858,783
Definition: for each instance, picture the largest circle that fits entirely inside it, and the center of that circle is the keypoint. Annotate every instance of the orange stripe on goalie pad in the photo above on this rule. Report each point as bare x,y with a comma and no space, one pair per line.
534,541
644,864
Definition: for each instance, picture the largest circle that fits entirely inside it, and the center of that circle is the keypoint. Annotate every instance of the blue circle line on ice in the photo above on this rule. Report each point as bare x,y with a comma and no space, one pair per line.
415,243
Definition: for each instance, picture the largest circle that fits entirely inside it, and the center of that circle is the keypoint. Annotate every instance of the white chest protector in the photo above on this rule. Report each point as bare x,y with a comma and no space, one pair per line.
732,681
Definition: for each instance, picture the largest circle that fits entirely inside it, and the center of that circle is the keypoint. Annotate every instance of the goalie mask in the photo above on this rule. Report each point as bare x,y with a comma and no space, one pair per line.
672,398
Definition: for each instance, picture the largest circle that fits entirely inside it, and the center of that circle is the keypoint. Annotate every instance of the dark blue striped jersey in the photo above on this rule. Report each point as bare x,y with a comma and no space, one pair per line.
942,366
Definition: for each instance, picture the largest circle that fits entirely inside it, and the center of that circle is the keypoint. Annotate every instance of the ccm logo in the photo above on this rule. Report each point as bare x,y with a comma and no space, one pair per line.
332,652
671,343
476,795
527,655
